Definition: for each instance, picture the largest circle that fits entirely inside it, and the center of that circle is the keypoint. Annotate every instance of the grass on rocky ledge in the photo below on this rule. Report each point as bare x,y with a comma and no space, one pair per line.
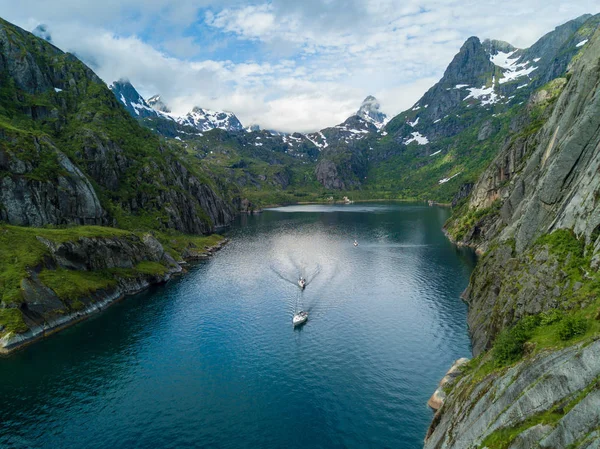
577,323
21,251
503,437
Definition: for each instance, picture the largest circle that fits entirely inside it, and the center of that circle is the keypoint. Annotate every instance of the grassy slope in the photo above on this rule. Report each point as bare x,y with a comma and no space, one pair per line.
20,250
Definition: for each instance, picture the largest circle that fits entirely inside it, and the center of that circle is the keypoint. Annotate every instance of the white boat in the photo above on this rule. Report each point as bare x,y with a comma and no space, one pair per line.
355,243
300,318
302,283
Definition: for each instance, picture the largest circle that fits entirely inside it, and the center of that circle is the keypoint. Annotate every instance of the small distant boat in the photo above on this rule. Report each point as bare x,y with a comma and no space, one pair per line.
355,243
302,283
300,318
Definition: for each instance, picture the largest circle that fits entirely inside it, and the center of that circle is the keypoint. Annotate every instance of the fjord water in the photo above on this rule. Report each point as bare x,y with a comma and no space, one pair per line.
211,359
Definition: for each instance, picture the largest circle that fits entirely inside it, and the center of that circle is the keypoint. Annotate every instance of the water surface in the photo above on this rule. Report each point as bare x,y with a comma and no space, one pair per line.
211,359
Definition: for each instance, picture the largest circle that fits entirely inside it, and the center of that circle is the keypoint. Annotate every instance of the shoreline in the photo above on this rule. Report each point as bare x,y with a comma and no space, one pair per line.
374,200
10,343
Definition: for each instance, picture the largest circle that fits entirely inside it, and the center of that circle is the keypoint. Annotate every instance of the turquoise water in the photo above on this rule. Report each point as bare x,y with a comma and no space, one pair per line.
211,359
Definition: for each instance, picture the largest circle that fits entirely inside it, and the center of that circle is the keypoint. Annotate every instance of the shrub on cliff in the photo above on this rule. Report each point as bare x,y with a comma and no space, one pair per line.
572,327
509,344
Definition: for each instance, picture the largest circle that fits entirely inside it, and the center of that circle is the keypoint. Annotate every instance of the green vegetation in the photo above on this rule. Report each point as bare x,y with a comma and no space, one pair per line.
508,347
70,285
466,220
151,268
503,437
21,251
175,244
12,321
572,327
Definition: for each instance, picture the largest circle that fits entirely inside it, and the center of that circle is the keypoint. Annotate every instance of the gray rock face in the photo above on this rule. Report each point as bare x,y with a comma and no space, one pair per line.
26,201
473,411
327,175
109,155
93,254
43,311
546,180
42,305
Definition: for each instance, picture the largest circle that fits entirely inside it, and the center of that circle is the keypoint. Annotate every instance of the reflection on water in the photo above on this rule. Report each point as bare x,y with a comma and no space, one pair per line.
211,359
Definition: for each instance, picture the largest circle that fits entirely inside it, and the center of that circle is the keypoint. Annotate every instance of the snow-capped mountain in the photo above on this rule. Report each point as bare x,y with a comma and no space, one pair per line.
156,103
205,120
369,111
199,118
485,79
132,100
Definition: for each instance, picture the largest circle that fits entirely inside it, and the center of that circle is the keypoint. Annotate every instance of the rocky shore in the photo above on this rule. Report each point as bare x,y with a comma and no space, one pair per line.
44,312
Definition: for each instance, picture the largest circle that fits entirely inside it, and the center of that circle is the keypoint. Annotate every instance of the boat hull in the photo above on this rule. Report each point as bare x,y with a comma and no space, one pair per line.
299,319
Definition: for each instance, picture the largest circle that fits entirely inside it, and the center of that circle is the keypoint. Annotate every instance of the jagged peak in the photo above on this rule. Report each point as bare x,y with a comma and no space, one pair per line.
206,119
495,46
469,65
122,81
370,111
156,102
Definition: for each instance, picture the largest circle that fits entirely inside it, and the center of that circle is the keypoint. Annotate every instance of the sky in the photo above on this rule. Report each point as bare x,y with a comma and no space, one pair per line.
287,65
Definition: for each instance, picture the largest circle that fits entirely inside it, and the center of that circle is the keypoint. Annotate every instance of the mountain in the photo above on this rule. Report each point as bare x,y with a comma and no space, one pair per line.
369,111
431,151
534,295
132,100
156,103
204,120
447,138
72,156
200,120
88,161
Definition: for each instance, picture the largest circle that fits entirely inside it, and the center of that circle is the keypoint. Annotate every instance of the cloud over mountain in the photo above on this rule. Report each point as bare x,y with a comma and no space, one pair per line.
288,65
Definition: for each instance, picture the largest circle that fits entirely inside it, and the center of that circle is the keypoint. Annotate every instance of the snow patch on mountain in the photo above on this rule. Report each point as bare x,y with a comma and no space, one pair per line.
582,43
486,95
445,180
512,69
417,137
504,60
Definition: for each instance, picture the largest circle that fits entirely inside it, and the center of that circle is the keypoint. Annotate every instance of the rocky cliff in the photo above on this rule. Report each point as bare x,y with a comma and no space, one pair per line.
50,278
534,298
71,156
70,153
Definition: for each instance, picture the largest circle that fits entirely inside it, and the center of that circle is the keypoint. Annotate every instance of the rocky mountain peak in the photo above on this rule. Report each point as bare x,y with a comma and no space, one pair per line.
494,46
131,99
470,64
156,103
205,120
369,111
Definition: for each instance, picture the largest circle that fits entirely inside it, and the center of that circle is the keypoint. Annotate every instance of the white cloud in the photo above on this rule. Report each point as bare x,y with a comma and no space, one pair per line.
298,65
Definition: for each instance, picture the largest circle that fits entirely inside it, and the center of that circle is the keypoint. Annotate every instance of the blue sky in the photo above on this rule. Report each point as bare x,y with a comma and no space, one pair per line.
291,65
